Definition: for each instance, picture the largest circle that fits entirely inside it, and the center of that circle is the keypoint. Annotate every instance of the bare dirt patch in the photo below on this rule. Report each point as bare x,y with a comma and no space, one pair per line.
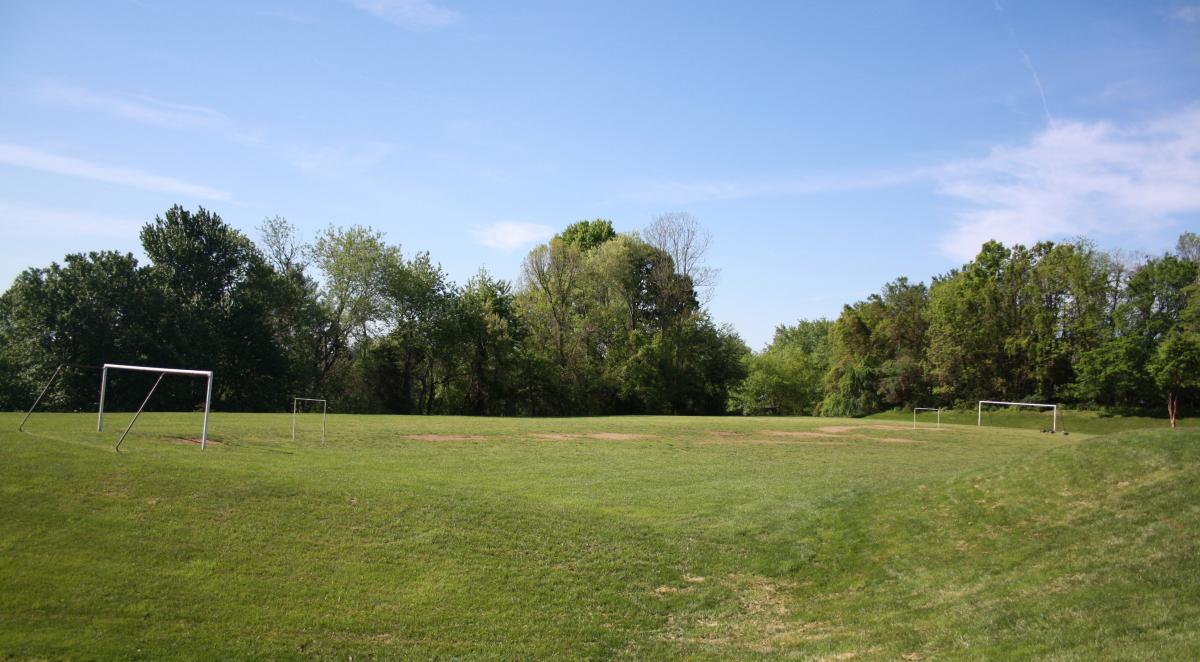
663,590
604,436
837,429
724,433
442,437
798,434
774,441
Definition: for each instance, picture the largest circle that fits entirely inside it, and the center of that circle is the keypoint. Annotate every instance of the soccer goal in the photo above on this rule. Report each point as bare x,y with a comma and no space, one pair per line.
162,372
1053,410
920,409
296,410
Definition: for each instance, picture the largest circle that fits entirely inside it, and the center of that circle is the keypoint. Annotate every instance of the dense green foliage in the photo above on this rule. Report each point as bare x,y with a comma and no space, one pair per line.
1062,323
600,323
599,538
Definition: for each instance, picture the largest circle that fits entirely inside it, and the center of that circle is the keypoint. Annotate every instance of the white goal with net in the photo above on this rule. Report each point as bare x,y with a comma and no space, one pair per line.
162,372
1053,409
296,410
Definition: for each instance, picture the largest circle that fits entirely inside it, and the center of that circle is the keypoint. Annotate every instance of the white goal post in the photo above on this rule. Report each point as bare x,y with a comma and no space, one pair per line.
1052,408
295,409
937,409
161,373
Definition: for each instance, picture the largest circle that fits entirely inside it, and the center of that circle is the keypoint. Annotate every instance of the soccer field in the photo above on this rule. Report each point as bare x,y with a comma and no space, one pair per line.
630,537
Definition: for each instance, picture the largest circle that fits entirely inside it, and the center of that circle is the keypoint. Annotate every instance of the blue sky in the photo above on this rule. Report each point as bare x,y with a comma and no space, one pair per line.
829,147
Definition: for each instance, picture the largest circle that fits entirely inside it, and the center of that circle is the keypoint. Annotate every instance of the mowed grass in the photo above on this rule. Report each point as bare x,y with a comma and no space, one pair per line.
646,538
1072,421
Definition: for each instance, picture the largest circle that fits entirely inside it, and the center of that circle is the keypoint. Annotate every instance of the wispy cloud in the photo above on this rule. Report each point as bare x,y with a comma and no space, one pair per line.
25,222
510,235
333,159
22,156
141,109
1068,179
409,14
1186,13
1077,178
146,110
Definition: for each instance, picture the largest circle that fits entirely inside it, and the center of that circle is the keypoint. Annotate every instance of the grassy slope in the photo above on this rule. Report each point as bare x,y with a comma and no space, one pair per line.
973,542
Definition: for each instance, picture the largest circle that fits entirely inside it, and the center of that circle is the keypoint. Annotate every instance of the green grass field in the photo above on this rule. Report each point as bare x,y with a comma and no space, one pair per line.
629,537
1070,420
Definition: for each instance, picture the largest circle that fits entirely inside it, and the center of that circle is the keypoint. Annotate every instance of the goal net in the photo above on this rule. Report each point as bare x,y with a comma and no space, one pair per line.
1040,405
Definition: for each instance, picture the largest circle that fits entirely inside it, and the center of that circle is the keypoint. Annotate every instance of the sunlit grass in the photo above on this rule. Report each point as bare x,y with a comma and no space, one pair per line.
638,537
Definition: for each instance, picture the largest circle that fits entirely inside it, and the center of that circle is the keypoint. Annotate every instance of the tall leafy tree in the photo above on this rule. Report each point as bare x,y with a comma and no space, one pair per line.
491,335
421,304
787,378
303,325
213,278
93,308
877,350
586,235
1175,368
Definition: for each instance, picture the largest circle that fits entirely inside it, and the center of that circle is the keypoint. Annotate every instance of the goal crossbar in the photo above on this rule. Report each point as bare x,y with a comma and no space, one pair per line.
295,409
937,409
1053,408
161,372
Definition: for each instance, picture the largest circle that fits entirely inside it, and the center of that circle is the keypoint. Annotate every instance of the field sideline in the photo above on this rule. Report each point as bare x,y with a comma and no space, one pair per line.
628,537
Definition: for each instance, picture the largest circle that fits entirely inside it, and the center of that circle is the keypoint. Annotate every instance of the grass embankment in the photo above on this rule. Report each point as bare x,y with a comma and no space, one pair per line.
616,537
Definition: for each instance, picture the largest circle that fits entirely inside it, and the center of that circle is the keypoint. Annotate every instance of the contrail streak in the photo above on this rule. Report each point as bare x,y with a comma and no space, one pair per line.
1037,80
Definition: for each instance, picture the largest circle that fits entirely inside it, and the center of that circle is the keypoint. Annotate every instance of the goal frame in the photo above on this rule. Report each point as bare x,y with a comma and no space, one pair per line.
1053,408
162,372
937,409
295,410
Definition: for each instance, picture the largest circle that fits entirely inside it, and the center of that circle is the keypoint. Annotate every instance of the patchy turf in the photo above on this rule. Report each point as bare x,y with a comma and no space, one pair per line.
641,537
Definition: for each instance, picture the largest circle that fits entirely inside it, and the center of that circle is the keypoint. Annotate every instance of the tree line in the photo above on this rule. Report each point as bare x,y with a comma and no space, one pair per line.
1059,323
598,322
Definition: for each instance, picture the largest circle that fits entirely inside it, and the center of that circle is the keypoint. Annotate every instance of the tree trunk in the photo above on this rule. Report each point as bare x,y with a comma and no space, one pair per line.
429,386
1172,407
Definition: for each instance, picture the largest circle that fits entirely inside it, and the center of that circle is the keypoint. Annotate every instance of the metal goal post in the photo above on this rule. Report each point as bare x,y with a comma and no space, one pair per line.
1052,408
161,373
295,410
937,409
